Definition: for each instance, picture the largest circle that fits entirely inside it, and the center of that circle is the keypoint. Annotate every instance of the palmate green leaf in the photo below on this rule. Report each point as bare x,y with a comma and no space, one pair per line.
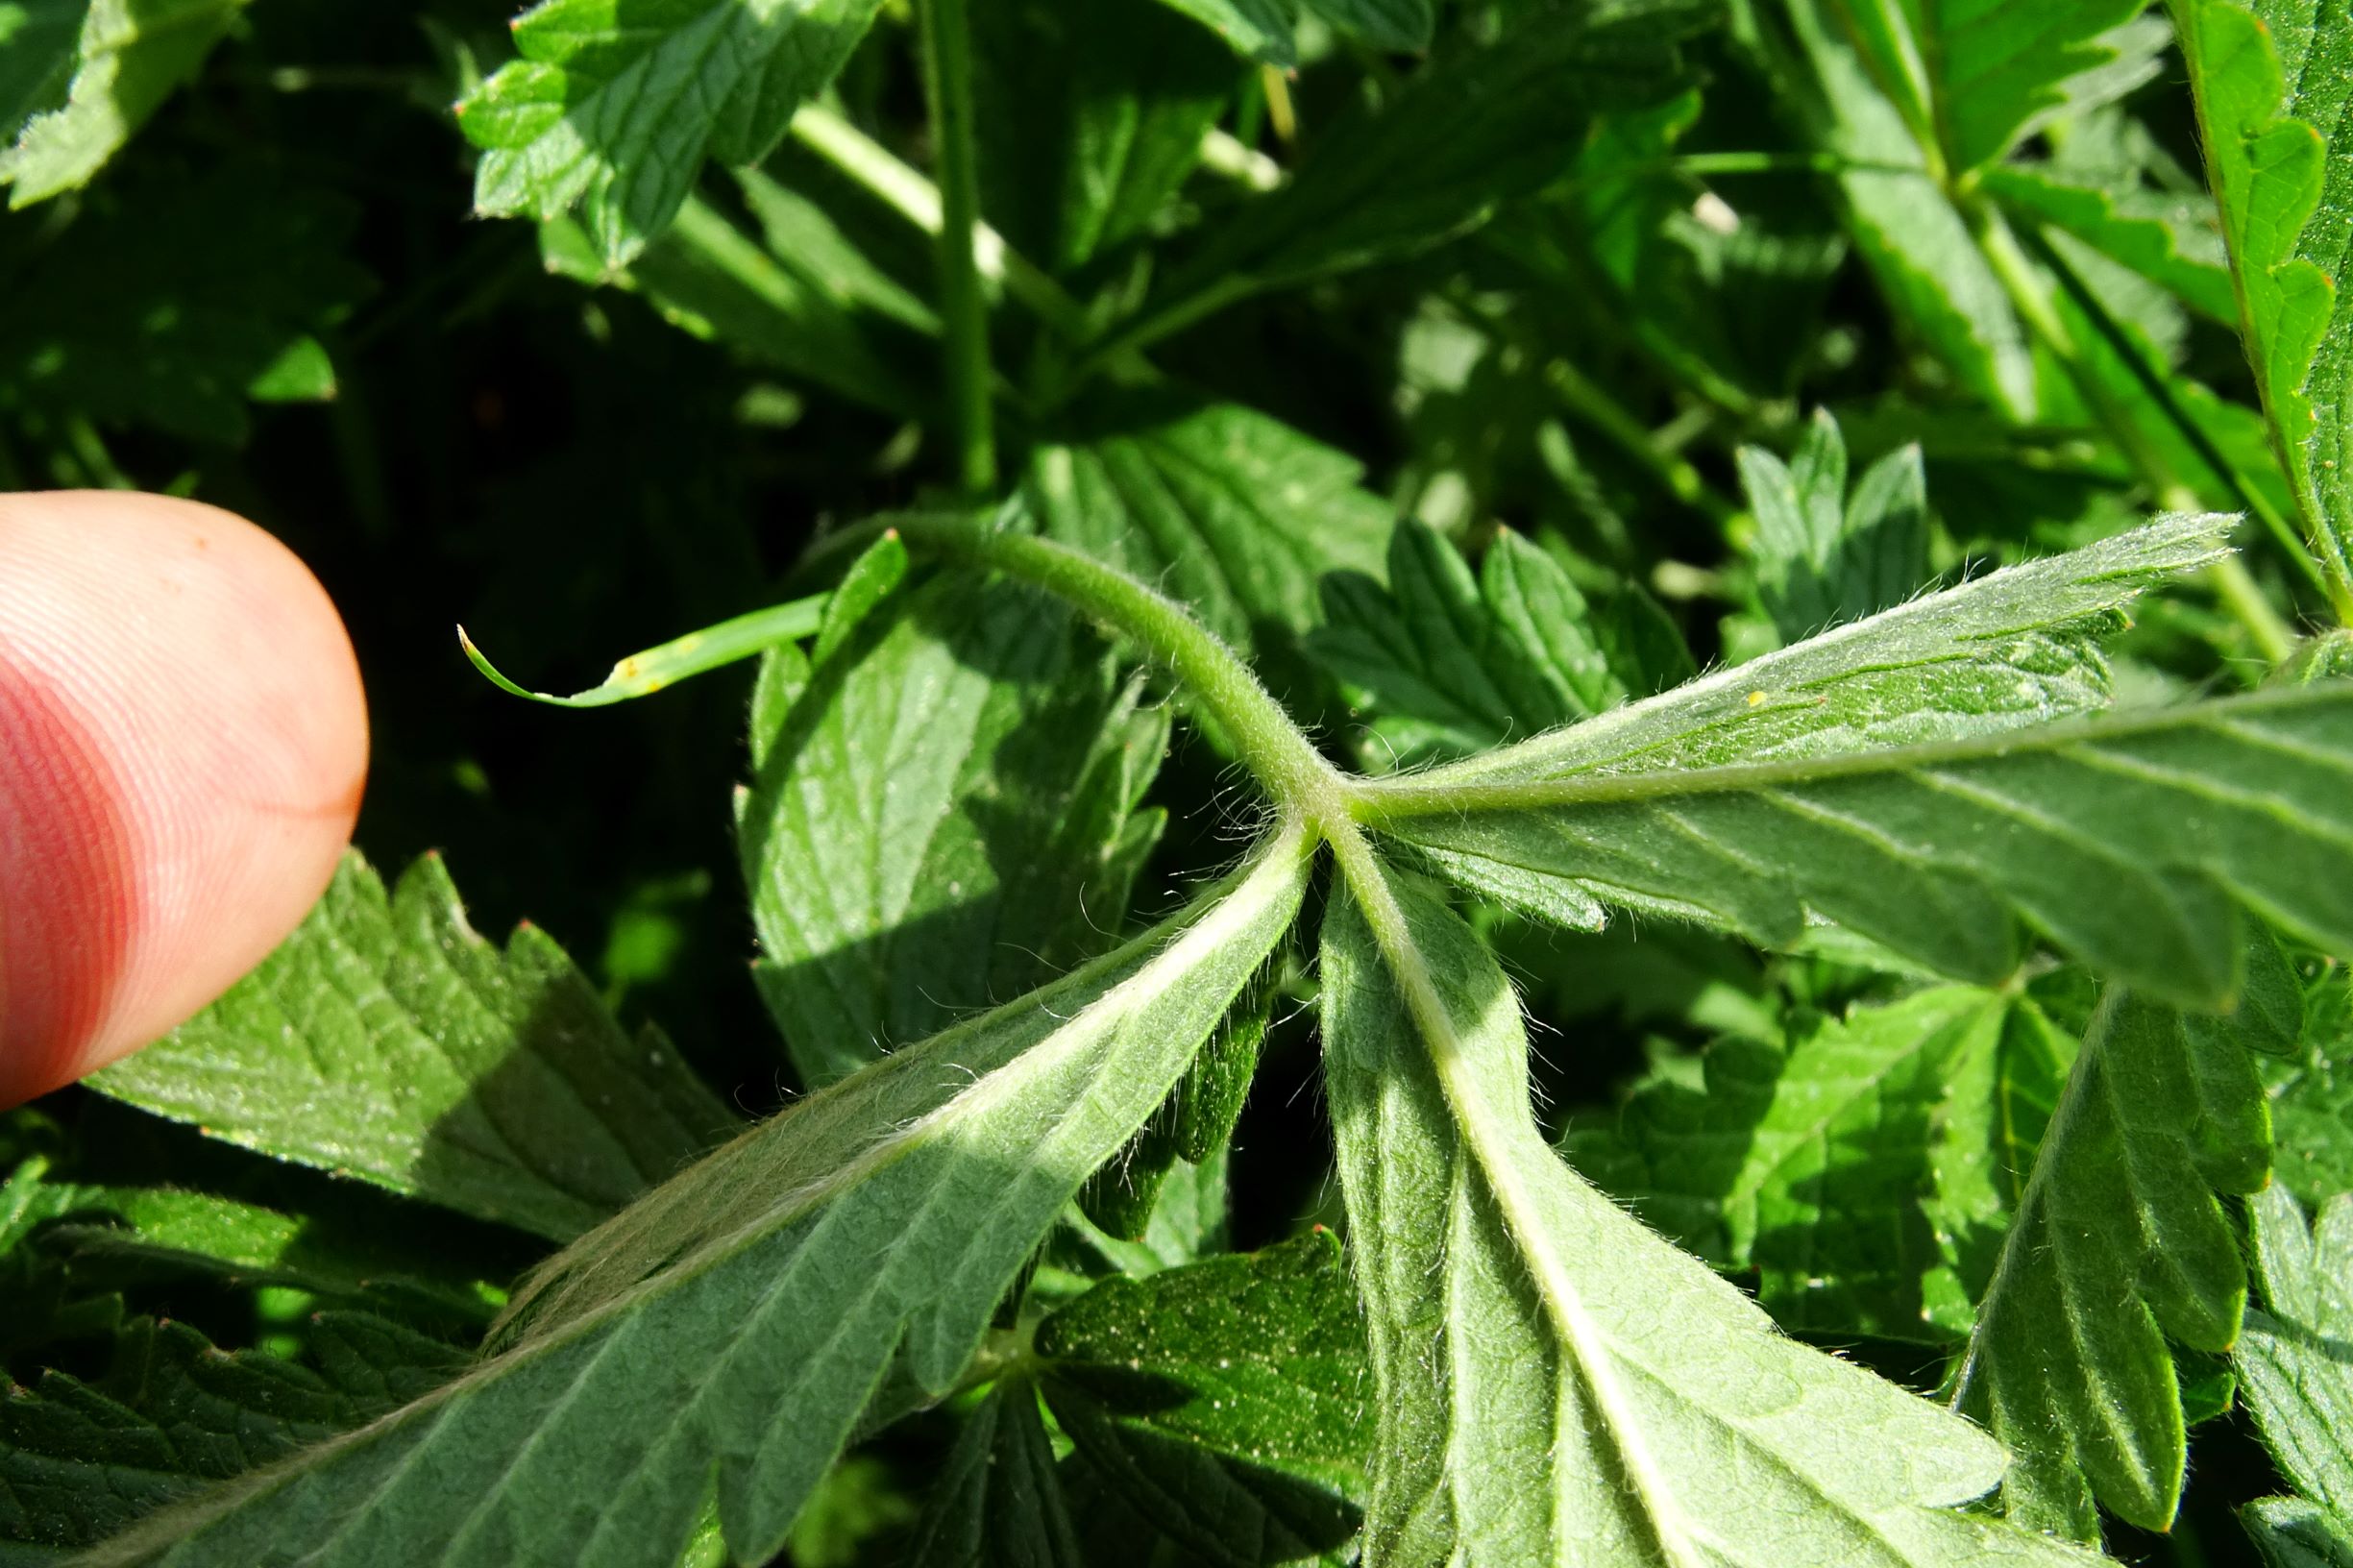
1089,117
2293,1375
2271,85
736,1321
1824,556
82,75
386,1041
997,1501
1915,242
2311,1097
944,811
79,1460
613,108
1556,1385
1235,513
2118,1243
1806,1162
1446,664
174,301
1226,1401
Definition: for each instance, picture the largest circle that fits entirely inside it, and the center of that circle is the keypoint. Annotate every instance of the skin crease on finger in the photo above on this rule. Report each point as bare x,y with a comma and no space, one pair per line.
182,747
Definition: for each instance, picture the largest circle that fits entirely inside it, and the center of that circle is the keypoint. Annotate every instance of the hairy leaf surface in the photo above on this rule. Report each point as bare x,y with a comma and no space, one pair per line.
613,108
737,1320
386,1041
1557,1384
2118,1244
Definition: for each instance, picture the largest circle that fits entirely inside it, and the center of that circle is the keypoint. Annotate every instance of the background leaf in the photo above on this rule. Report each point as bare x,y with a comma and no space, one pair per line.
73,99
386,1041
2293,1371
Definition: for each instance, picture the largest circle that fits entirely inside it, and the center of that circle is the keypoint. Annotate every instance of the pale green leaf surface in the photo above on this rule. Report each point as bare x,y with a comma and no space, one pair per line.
2120,1243
1233,512
1556,1385
2131,842
386,1041
2271,84
944,812
2294,1373
739,1318
997,1503
2001,63
1825,556
87,93
613,108
82,1459
1444,665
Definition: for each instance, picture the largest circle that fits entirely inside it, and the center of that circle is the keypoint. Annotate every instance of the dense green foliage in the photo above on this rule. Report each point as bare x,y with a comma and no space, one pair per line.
1547,782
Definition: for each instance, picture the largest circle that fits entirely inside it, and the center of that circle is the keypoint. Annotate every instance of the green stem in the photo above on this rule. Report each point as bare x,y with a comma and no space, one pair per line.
905,191
1585,398
964,312
2235,586
1271,746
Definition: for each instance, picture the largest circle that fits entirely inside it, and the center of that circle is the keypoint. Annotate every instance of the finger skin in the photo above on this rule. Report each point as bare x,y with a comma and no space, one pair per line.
182,747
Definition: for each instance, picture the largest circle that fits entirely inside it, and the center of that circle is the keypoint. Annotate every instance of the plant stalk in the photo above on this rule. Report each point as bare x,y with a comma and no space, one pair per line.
964,310
1302,783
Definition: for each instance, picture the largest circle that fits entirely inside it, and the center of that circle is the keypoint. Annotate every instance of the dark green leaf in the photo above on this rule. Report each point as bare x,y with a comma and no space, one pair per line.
997,1503
613,108
386,1041
1225,1400
2311,1097
737,1320
2166,239
174,301
2120,1243
79,1460
944,811
1259,28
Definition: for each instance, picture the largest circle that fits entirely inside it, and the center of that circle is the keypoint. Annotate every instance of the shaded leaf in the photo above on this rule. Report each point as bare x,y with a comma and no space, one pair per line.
997,1503
386,1041
79,1460
944,812
1824,556
174,301
2311,1097
2293,1369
